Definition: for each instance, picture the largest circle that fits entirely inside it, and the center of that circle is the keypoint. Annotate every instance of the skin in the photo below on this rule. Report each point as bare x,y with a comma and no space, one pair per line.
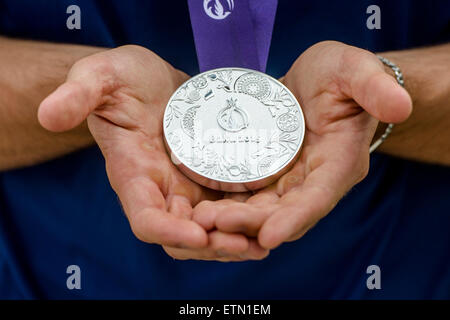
124,110
30,71
343,98
120,95
341,108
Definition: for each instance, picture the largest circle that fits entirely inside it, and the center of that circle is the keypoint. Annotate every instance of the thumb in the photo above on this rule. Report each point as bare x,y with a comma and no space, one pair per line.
376,91
89,80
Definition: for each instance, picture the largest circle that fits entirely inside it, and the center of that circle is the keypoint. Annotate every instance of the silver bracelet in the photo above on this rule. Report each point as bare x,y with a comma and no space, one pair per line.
399,77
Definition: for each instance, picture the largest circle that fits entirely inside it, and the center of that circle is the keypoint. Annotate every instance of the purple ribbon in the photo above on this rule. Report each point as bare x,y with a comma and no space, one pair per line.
232,33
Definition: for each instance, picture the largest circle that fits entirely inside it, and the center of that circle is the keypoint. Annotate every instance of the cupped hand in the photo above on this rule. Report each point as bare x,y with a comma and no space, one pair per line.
344,91
122,93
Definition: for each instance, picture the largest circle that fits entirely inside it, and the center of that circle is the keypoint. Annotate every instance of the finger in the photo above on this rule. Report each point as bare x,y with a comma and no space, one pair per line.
306,204
238,196
300,234
242,218
69,105
220,245
205,212
178,184
253,252
145,207
233,216
228,243
287,221
180,206
264,197
246,218
373,89
198,254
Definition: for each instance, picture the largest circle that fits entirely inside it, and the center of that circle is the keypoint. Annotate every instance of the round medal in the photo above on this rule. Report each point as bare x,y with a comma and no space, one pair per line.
233,129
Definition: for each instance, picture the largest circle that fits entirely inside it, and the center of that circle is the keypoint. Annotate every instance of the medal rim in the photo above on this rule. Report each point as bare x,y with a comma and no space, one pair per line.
241,185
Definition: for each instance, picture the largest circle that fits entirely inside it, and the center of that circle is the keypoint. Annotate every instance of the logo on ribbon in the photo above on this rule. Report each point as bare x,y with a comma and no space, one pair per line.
218,9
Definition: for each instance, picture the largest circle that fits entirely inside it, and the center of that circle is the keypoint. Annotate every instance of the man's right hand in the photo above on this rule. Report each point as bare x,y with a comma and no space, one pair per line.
122,93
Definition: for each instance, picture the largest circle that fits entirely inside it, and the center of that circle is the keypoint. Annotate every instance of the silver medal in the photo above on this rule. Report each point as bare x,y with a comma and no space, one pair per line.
233,129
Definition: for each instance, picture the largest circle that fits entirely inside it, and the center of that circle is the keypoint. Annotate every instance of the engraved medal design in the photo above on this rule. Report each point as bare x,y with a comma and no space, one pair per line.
232,118
187,122
233,129
254,84
287,122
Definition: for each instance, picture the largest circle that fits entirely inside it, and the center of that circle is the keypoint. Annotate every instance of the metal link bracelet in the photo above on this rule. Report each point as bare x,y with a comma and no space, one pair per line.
399,78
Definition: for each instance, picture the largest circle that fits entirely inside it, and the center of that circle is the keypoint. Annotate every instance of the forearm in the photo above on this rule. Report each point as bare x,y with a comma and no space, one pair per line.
29,71
425,136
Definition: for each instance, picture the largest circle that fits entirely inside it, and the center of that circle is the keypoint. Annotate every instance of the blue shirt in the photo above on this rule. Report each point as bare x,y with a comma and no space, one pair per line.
64,212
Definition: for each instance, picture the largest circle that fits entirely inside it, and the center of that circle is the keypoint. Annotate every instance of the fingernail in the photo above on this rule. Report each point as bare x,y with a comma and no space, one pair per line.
222,253
242,229
243,256
180,246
